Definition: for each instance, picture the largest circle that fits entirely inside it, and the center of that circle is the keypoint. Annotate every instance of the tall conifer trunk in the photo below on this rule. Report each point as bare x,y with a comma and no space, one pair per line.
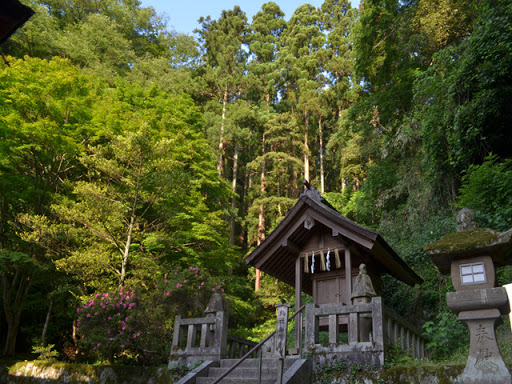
306,146
233,198
261,217
322,185
221,136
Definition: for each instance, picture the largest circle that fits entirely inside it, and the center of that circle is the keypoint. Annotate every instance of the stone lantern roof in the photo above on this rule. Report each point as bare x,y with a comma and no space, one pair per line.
470,241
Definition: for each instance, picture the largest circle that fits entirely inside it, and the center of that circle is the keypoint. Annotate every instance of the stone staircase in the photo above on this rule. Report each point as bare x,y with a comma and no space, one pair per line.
248,371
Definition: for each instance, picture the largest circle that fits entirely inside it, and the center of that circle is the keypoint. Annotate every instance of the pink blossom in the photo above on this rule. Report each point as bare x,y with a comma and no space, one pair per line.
78,310
88,315
110,317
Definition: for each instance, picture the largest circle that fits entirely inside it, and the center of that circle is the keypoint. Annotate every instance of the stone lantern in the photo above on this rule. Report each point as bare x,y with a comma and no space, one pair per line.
362,294
470,256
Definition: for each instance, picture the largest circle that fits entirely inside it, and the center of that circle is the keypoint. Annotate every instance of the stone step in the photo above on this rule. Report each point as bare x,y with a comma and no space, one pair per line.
228,380
266,373
254,363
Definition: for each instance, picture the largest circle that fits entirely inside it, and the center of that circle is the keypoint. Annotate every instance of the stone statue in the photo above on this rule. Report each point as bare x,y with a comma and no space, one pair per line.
363,286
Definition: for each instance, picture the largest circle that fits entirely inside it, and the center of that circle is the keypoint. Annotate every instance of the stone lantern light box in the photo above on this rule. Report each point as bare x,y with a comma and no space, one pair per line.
472,254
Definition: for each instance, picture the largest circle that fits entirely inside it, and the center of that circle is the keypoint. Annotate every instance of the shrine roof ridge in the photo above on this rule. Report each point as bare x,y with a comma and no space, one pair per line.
310,206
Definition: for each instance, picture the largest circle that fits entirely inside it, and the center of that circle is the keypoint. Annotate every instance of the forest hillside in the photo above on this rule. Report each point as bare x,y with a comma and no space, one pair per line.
139,166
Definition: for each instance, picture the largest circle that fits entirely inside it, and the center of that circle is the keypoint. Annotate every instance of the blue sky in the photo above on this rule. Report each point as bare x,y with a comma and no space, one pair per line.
183,14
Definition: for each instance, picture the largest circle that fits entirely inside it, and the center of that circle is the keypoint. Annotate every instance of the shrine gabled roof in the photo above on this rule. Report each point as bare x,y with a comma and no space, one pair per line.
12,16
278,253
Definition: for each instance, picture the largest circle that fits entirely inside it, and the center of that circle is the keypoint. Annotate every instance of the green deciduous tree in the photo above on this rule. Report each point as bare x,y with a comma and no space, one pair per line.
45,112
142,203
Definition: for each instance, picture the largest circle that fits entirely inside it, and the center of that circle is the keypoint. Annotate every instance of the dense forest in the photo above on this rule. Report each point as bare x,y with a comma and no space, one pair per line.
138,166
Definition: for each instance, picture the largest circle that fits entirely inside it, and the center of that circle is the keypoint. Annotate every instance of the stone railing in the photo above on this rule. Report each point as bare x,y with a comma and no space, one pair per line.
399,331
200,338
238,347
205,338
357,333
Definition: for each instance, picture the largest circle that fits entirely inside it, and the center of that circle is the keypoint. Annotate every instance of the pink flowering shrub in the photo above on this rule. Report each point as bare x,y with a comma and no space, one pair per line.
136,324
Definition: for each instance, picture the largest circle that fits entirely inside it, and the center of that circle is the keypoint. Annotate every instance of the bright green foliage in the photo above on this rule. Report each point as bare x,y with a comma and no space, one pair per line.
109,38
45,352
45,110
435,27
142,202
110,184
486,189
463,98
446,334
98,44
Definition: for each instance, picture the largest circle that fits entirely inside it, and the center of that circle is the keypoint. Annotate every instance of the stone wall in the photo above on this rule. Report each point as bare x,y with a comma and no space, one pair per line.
396,375
47,373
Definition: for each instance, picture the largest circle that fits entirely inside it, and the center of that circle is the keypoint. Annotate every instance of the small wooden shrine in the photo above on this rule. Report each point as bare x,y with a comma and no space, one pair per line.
319,251
340,264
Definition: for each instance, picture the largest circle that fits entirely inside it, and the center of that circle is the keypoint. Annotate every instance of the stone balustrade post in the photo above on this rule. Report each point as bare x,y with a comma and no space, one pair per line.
280,337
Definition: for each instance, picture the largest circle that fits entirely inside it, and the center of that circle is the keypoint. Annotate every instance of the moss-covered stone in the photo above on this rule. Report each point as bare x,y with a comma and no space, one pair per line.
49,372
395,375
461,242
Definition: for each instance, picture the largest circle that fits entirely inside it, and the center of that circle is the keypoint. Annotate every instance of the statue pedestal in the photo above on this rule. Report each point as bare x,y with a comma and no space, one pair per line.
485,364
